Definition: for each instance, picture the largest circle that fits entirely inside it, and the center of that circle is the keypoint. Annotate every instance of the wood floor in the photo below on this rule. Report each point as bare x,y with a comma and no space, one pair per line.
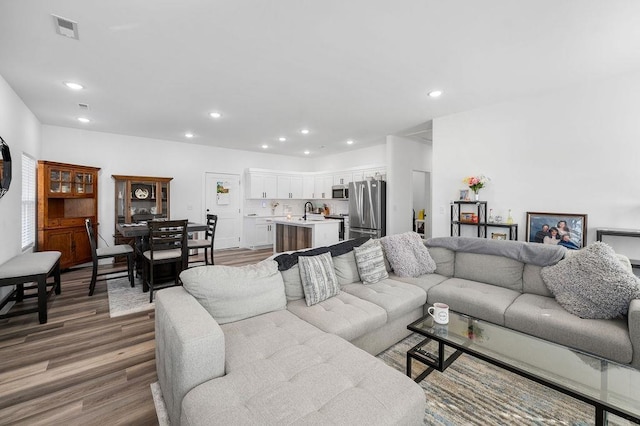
83,367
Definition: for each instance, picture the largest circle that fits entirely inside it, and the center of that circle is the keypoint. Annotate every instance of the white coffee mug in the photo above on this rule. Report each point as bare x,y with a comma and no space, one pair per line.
439,312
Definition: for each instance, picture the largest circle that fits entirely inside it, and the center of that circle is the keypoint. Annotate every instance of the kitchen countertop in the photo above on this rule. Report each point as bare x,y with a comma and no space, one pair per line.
305,223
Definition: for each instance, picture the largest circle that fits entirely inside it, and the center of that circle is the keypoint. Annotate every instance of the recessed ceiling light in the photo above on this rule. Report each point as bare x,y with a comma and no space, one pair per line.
307,152
435,93
282,139
304,131
349,142
215,114
73,86
265,146
188,135
84,120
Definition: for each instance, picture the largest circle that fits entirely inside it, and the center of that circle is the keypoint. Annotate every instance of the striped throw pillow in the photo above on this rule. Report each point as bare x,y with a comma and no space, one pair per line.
370,261
319,280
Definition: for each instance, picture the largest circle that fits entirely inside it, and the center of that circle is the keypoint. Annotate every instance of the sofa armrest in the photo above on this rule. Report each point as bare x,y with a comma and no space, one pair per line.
634,331
190,347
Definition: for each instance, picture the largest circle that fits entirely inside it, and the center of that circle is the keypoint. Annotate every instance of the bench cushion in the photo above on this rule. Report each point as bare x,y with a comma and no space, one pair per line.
28,264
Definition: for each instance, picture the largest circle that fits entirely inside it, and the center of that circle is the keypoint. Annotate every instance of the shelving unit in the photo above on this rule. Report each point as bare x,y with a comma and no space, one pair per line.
67,195
478,219
419,226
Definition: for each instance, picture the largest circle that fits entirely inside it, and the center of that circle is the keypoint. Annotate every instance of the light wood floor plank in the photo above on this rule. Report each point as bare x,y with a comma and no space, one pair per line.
83,367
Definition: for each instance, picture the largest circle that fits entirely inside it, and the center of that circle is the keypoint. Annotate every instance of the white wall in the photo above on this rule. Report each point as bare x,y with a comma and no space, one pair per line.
372,156
130,155
571,151
403,157
21,131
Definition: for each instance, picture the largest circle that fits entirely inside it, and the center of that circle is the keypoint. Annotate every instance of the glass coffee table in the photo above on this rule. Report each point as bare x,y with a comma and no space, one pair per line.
609,387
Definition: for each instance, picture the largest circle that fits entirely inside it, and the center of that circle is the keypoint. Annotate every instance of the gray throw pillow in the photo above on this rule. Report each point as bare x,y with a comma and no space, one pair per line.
370,261
592,283
408,255
319,280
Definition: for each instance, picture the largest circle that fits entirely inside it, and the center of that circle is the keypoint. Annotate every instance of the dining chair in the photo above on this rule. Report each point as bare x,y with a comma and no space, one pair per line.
207,242
167,245
105,253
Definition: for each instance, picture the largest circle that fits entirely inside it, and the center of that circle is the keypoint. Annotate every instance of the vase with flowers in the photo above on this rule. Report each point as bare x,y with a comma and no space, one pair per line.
475,183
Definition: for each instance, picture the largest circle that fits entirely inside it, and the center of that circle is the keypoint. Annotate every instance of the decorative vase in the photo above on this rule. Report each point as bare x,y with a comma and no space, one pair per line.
476,195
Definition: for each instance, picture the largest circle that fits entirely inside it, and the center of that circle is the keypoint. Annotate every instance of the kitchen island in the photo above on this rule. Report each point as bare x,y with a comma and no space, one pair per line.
296,234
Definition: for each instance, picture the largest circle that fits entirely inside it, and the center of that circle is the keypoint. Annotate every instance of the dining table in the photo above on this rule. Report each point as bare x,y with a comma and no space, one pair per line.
139,231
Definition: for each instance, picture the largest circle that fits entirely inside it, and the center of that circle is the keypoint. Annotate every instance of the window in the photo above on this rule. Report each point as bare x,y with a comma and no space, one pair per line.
28,201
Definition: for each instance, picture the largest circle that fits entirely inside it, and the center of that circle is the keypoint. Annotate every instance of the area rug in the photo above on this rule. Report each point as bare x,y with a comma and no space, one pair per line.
124,299
472,392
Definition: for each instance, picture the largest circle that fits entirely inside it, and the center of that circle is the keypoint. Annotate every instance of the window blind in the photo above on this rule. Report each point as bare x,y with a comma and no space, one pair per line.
28,201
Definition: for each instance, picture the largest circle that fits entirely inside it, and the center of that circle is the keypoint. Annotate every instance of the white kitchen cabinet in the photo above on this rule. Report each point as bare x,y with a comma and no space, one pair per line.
308,187
323,187
343,178
262,185
290,187
258,232
365,174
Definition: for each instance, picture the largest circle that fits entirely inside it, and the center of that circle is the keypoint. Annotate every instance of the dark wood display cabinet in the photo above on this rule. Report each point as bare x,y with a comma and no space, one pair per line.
67,195
139,199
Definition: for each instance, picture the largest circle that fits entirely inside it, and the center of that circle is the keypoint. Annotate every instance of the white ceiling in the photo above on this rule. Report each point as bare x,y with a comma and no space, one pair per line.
355,69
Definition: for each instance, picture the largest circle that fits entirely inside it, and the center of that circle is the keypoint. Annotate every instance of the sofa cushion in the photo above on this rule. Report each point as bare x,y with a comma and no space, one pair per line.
344,315
592,283
487,268
445,260
408,255
397,298
289,372
532,281
425,282
292,283
346,268
231,293
319,280
370,261
544,317
480,300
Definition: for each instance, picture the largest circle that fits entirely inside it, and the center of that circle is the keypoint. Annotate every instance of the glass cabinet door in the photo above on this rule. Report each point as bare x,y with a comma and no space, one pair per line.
60,181
83,183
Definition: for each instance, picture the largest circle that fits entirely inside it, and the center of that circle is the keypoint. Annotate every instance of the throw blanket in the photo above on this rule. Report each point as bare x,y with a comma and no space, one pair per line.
289,260
533,253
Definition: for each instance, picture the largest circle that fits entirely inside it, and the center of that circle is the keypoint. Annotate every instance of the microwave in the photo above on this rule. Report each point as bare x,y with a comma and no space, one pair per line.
340,191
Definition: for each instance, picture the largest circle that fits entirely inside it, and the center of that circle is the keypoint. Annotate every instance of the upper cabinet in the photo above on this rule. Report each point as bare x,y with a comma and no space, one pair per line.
262,185
268,184
290,187
67,195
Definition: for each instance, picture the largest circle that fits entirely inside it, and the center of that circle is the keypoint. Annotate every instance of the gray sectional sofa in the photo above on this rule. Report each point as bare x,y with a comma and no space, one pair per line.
271,359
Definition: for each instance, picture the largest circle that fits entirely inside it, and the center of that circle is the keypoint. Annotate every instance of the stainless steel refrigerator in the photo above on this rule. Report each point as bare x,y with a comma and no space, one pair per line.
368,209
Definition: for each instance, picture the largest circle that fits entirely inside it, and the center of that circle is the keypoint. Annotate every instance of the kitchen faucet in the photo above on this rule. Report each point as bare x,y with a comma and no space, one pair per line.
305,209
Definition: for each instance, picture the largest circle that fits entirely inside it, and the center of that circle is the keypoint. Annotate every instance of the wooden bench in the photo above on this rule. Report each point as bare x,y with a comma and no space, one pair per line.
28,268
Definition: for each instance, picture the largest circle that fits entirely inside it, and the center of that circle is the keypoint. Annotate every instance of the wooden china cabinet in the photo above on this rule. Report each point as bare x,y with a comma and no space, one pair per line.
138,199
67,195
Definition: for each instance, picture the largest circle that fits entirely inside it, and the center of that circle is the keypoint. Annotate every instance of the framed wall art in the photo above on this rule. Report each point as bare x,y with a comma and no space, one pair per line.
565,229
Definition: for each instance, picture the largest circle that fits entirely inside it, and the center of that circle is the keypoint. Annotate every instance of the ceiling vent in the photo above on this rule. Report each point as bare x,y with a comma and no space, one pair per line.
83,107
65,27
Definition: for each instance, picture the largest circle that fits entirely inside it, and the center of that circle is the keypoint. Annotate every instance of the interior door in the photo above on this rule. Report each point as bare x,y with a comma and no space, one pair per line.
223,199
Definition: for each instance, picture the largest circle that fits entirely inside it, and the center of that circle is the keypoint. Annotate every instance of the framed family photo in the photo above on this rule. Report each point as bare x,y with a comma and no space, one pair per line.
464,194
565,229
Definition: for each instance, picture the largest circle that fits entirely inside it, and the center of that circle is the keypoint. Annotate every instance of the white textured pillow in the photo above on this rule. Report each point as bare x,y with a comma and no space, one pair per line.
232,293
370,261
592,283
408,255
319,280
